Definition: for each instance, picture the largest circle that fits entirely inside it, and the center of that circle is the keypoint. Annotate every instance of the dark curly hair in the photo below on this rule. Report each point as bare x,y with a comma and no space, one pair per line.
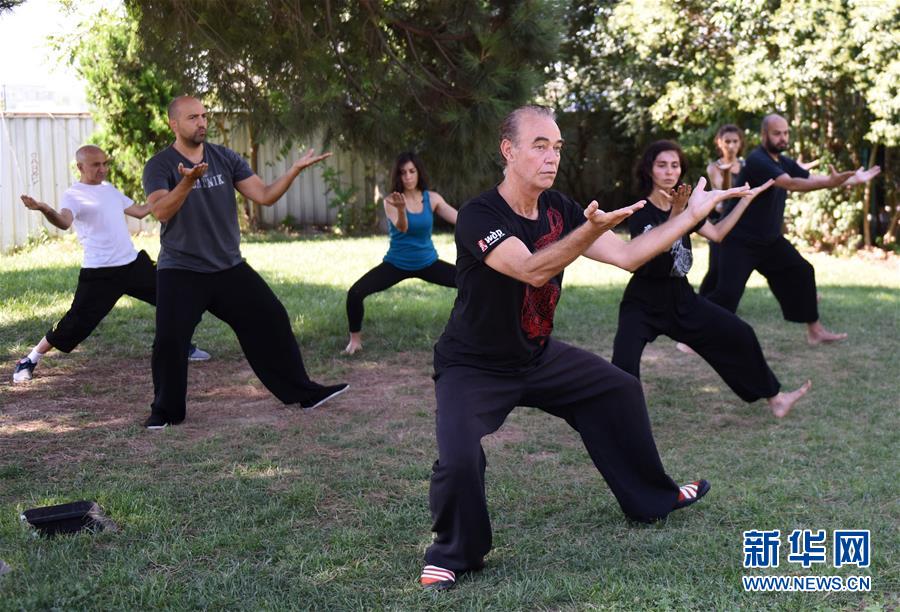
644,169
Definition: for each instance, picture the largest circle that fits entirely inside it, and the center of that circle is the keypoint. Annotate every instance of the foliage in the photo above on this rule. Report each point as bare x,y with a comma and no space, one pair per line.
8,5
128,96
378,77
354,215
592,131
831,66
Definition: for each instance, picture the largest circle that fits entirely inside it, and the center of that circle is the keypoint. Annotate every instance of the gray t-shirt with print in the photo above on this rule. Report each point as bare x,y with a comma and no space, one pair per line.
203,236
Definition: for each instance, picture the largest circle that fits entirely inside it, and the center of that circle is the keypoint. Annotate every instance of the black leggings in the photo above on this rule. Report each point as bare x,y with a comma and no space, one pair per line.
384,276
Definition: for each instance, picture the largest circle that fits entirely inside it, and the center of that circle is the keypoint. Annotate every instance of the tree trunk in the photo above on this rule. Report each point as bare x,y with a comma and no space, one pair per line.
890,199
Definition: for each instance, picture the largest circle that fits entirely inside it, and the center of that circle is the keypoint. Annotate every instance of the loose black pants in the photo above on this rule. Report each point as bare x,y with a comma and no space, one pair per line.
242,299
791,278
726,342
708,284
98,291
386,275
602,403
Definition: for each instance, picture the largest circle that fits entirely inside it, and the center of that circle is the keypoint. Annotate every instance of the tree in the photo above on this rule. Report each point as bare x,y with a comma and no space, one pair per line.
8,5
377,77
688,66
128,96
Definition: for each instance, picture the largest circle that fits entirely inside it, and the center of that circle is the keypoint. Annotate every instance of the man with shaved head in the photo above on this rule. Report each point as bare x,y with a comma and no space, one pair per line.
756,242
190,186
111,268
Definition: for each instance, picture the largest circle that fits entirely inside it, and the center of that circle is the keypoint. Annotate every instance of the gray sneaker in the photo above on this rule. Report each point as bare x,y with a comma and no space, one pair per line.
24,370
198,354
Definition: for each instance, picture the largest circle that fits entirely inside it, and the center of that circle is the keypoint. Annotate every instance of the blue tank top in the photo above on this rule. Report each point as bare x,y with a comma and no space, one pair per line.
413,249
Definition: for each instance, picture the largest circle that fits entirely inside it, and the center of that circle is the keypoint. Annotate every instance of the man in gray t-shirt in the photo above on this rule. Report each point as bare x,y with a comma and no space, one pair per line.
190,188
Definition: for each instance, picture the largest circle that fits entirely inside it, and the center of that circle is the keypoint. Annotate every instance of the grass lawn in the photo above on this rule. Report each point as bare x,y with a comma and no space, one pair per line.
253,505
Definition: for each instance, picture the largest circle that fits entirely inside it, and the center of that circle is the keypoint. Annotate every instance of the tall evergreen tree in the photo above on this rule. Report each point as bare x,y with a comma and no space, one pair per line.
375,76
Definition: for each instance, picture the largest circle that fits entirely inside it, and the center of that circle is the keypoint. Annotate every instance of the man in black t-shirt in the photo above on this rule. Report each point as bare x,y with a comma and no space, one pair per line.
496,352
190,188
756,242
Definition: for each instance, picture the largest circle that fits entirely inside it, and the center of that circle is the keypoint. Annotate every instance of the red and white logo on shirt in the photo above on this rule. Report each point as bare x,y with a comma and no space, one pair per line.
485,243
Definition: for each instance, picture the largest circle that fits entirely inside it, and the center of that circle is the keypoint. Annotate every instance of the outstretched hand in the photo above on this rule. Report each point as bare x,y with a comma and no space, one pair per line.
758,190
32,204
603,221
835,178
862,176
807,165
677,198
193,173
397,200
309,158
702,202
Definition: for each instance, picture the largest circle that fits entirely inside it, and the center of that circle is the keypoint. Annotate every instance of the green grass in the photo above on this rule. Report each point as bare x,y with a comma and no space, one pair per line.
251,505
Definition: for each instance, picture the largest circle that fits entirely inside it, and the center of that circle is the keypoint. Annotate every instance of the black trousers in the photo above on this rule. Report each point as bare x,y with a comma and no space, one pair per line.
386,275
791,278
97,292
602,403
726,342
708,284
242,299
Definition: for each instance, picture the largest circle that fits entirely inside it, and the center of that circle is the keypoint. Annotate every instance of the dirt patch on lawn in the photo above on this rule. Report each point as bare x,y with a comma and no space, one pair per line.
71,408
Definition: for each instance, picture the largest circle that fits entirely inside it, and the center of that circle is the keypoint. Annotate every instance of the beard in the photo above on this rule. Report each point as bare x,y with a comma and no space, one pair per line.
774,148
198,138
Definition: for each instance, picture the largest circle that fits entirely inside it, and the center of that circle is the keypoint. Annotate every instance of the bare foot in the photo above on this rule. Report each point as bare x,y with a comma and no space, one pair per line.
782,403
354,345
684,348
817,334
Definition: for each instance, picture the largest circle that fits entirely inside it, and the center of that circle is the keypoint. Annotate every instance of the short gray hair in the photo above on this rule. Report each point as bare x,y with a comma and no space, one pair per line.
509,129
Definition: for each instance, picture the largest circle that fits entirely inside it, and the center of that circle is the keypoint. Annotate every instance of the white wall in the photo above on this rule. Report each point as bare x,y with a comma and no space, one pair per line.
36,158
35,154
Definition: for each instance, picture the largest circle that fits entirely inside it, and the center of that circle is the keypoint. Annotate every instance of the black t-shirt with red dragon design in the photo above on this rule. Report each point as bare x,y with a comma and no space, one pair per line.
498,322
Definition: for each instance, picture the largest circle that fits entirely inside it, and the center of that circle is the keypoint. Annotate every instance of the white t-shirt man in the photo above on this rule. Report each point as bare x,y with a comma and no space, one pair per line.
100,224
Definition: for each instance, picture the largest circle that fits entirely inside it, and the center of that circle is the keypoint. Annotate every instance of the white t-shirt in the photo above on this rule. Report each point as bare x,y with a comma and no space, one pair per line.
100,224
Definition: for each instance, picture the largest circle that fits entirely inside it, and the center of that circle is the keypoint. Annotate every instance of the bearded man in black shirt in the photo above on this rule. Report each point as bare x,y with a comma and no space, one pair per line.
756,242
496,352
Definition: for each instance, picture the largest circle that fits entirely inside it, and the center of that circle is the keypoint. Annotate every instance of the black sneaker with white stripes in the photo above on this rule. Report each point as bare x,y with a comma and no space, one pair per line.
24,370
320,396
155,421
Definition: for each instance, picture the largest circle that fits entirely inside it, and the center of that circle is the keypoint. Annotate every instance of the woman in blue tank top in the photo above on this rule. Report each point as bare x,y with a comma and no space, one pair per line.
410,211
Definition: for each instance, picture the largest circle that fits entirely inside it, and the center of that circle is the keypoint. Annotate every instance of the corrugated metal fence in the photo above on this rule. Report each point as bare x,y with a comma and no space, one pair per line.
37,153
